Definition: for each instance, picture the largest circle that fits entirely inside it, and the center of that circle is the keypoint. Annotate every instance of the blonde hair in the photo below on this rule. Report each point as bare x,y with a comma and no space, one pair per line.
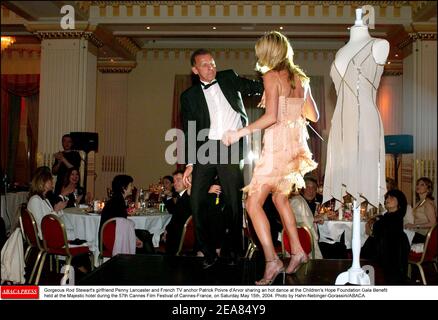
42,175
274,52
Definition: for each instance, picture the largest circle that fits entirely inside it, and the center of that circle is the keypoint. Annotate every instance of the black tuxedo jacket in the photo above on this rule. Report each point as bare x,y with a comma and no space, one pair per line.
194,106
180,211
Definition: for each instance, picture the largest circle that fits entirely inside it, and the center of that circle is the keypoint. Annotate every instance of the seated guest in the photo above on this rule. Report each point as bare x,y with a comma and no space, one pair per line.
39,205
117,206
71,190
388,244
304,216
180,209
50,195
424,210
409,216
169,190
310,193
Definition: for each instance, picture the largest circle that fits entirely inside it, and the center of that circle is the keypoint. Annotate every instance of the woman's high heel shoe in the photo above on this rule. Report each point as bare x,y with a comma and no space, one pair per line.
268,282
300,259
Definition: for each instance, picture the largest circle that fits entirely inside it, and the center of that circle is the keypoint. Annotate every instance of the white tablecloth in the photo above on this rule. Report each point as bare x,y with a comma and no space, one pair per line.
331,232
9,205
86,226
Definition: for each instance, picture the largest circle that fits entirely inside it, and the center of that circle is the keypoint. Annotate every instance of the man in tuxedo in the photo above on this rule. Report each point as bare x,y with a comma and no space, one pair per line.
209,109
179,207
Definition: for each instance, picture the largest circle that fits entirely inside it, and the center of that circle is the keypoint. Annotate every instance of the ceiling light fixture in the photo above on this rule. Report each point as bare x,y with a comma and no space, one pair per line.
149,28
281,28
7,41
214,28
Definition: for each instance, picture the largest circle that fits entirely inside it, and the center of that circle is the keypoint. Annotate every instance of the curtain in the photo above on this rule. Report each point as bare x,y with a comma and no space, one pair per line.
182,82
32,106
15,89
4,140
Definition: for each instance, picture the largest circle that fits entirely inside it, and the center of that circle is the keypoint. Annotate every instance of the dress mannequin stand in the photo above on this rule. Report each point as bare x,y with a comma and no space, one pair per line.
356,274
356,73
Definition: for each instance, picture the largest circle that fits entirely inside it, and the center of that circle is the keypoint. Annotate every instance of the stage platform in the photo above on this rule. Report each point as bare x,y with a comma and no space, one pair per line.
172,270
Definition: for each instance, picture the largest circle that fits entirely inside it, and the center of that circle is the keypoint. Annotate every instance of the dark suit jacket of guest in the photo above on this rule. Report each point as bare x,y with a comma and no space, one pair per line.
114,208
180,211
194,106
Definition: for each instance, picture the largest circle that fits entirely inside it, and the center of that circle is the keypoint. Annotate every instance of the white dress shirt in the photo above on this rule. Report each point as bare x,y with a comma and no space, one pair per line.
222,116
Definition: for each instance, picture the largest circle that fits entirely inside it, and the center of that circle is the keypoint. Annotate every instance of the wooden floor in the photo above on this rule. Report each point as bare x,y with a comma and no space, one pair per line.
170,270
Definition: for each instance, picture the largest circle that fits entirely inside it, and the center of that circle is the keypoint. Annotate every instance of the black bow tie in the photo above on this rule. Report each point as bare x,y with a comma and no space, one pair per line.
206,86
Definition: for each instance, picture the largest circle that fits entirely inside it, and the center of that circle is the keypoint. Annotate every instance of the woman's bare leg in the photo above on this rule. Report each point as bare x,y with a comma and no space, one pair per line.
254,206
288,220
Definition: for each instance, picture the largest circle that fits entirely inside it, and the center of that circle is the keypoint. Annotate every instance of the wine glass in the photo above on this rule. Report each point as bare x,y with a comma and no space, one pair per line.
75,195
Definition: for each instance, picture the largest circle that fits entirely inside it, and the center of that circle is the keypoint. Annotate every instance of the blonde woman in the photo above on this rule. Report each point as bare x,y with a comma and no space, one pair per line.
38,204
285,157
424,210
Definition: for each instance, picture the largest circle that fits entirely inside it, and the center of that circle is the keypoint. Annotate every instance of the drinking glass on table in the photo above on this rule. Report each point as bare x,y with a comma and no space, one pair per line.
320,215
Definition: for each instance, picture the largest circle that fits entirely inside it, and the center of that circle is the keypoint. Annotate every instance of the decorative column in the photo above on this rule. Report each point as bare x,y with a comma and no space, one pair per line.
111,122
67,91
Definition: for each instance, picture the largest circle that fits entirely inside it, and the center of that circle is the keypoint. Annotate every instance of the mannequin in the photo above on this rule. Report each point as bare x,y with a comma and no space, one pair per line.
356,150
359,37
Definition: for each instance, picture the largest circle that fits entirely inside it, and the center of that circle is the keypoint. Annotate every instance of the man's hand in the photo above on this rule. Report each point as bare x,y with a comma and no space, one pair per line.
215,189
187,177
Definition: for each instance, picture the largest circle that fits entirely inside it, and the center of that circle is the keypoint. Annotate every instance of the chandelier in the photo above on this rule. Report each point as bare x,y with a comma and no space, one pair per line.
7,41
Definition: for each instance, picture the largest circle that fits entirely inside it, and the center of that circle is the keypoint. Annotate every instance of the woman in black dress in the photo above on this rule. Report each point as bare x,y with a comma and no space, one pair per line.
388,244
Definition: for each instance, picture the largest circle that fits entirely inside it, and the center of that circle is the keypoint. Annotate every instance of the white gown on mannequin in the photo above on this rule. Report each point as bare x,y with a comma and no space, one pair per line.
356,149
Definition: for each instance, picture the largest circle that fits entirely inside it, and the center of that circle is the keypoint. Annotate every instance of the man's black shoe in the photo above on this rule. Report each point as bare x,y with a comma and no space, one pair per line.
208,263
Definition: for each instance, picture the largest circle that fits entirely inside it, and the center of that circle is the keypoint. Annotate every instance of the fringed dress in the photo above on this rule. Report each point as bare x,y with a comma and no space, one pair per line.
285,157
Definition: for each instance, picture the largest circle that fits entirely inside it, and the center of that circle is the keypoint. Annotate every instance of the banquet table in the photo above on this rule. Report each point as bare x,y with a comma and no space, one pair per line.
331,231
9,205
86,225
